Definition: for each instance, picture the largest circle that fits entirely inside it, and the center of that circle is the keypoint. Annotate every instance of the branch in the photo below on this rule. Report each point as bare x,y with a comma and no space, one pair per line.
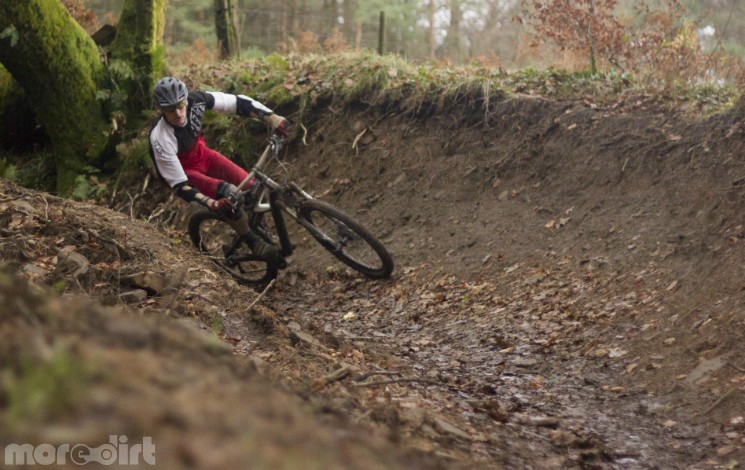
305,134
121,251
357,139
719,401
266,289
719,40
381,372
335,376
396,381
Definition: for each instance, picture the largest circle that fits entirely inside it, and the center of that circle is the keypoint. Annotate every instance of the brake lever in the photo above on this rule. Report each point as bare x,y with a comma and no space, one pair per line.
276,141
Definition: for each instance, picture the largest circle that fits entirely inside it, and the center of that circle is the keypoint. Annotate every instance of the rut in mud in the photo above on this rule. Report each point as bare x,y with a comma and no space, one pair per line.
568,294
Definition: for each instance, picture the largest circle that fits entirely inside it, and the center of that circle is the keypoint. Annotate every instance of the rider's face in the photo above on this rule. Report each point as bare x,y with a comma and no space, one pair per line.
175,115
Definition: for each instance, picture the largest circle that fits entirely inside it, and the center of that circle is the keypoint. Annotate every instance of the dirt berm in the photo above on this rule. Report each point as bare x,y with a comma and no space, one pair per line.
568,294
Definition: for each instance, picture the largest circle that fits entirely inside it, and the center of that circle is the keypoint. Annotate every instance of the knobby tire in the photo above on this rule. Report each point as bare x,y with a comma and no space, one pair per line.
213,236
346,239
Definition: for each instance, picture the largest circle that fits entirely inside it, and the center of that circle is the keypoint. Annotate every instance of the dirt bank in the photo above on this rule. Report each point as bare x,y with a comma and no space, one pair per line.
568,292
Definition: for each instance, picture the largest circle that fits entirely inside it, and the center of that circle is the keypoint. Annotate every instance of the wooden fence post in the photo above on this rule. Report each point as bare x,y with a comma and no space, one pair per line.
381,34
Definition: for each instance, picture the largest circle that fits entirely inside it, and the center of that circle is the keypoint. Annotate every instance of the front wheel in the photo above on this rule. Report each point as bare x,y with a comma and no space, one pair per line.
215,238
345,238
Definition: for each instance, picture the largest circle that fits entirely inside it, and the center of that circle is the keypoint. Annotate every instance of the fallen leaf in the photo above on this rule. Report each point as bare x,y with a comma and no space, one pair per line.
511,268
598,352
726,450
616,352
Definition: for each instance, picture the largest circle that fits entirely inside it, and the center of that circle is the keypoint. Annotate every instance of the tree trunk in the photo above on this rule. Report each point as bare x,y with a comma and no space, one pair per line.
283,36
453,37
358,36
139,43
227,31
591,41
297,12
431,10
349,7
56,63
329,14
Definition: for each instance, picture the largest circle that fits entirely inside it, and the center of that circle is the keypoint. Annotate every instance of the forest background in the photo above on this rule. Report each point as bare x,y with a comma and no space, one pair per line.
488,32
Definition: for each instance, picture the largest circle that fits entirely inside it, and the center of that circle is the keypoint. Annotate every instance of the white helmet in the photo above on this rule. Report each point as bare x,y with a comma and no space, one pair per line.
169,91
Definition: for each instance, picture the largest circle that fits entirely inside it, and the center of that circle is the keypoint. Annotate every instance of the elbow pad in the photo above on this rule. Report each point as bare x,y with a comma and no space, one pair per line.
249,107
191,195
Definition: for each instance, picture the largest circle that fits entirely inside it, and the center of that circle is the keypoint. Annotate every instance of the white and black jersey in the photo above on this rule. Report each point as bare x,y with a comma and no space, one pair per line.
168,143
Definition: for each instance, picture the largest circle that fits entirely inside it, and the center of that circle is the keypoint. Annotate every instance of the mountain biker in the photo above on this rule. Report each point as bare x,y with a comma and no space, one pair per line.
198,174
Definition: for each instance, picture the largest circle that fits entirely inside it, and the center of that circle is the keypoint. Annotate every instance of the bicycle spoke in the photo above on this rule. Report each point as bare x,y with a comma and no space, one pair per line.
220,242
345,238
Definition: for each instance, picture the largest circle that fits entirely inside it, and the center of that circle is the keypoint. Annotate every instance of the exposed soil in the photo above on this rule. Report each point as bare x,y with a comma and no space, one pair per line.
568,294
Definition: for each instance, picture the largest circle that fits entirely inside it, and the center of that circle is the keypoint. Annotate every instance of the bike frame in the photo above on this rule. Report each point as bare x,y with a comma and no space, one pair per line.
269,199
271,150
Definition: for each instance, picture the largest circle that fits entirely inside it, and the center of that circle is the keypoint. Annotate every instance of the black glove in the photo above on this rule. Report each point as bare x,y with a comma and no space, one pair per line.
223,208
227,190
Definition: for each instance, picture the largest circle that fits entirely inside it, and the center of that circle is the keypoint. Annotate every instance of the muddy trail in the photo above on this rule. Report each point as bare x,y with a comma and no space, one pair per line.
568,294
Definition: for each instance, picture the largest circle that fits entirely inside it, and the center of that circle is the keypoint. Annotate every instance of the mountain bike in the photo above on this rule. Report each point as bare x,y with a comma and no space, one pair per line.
266,202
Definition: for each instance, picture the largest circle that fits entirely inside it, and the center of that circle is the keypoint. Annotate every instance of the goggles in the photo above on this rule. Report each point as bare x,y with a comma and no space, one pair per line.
173,108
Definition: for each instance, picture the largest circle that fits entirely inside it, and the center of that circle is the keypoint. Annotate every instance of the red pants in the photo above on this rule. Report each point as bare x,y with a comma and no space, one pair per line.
206,168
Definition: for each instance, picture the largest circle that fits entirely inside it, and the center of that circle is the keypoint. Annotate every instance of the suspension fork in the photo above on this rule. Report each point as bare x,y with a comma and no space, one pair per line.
277,205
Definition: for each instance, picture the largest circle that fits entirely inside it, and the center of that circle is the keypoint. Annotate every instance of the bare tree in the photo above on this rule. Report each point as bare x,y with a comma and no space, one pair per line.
431,10
349,7
452,42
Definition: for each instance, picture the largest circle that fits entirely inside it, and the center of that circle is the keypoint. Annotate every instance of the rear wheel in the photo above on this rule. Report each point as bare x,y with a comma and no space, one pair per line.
216,239
346,239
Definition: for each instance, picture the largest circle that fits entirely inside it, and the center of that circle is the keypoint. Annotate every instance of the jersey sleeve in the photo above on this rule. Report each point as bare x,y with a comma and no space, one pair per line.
241,105
224,103
202,97
164,148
